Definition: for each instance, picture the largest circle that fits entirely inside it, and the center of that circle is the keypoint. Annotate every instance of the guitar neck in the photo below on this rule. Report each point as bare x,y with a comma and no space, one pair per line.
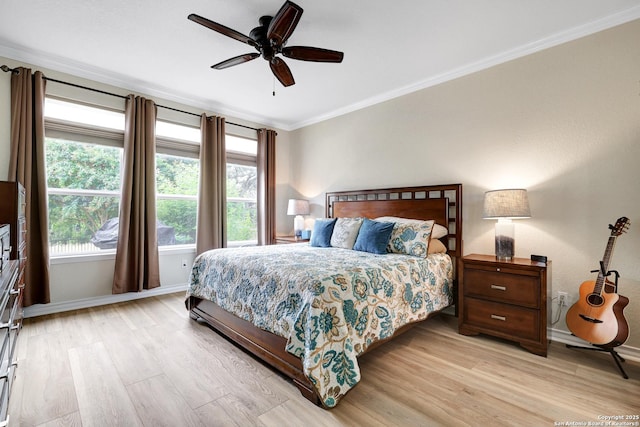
606,259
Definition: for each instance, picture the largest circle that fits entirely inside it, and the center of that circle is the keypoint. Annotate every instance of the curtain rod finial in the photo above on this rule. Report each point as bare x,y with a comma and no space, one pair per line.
6,69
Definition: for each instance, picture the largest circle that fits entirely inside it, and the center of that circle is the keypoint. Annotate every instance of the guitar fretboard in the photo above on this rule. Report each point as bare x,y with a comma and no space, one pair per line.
605,265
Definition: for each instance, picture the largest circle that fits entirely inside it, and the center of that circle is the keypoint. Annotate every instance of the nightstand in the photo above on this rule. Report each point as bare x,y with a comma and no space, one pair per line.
282,240
505,299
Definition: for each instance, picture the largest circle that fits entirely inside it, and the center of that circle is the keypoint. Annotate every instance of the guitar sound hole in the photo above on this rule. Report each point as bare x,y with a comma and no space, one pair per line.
595,299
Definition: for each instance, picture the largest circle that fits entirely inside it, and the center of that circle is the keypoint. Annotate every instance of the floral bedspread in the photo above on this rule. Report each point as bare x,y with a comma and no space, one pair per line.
329,303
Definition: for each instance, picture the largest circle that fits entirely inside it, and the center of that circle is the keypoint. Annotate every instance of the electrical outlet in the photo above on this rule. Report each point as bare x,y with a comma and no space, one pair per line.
184,263
563,299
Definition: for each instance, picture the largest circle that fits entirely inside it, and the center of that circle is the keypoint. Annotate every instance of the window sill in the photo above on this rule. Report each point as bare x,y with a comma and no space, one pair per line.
110,254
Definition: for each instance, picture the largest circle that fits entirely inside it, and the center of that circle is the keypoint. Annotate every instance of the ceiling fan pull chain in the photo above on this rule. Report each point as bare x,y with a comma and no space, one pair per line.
274,86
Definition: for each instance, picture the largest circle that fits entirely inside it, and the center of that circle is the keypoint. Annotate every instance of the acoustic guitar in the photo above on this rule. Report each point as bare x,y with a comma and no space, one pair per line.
597,315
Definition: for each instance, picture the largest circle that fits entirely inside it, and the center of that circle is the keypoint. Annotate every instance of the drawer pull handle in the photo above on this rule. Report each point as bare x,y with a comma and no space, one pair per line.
499,288
496,317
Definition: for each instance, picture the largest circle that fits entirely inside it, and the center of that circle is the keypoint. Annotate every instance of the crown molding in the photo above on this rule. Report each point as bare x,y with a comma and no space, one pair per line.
488,62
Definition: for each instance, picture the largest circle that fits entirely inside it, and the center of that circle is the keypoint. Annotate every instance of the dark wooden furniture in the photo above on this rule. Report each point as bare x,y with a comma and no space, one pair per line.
10,322
506,299
283,240
13,213
440,202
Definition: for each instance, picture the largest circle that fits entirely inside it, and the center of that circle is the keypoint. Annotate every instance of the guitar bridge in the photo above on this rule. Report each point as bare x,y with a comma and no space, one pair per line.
590,319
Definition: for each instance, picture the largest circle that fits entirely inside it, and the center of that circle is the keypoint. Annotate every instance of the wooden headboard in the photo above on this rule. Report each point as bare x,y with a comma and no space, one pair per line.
442,203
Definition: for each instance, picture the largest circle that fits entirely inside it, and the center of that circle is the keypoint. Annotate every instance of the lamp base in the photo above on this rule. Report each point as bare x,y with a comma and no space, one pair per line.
298,225
505,241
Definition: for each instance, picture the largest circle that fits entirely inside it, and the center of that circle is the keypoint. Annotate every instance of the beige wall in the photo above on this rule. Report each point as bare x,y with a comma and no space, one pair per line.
563,123
78,278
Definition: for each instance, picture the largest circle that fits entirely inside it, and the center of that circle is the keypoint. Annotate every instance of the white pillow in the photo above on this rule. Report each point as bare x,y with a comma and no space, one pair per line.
345,232
439,231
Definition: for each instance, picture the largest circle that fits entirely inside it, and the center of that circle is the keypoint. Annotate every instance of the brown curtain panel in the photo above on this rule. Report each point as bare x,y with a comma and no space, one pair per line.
27,167
212,188
266,186
137,264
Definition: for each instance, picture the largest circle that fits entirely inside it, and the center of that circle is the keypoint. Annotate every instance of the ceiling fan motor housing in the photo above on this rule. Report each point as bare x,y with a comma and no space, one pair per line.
259,34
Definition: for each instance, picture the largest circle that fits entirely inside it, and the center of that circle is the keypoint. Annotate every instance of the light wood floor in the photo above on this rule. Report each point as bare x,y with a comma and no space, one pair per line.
147,363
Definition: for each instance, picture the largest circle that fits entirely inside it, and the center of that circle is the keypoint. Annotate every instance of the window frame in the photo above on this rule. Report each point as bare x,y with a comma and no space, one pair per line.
56,128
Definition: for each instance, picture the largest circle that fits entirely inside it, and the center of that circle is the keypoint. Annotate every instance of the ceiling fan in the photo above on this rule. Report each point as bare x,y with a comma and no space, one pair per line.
270,39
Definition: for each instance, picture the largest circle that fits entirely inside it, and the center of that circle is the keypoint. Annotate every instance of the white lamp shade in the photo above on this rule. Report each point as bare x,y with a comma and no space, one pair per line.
298,207
512,203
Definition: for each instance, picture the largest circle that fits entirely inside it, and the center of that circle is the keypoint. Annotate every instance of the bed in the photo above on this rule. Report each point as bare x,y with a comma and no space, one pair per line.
285,305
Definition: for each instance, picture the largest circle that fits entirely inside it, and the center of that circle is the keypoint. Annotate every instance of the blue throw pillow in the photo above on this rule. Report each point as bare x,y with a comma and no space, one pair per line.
374,236
322,231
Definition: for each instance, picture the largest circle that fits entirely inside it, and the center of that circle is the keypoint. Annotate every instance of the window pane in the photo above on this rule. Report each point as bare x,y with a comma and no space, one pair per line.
177,222
83,183
242,181
78,113
176,175
241,145
242,221
242,211
74,221
176,131
177,188
80,165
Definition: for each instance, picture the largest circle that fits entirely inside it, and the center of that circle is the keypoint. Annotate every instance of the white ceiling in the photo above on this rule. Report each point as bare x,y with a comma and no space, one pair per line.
391,47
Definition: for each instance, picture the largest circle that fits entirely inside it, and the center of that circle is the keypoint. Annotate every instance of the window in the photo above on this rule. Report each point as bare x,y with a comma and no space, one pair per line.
177,174
177,167
83,159
242,191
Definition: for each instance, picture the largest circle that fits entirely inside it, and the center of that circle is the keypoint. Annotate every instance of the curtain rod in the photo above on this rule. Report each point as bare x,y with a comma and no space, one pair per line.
7,69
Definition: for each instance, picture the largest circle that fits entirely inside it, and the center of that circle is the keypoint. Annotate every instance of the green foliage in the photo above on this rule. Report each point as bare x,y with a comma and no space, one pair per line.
81,166
76,165
242,221
177,175
242,216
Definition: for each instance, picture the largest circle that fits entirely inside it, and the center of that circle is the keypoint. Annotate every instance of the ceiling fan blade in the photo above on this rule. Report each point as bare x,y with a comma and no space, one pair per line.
236,60
282,72
222,29
315,54
283,24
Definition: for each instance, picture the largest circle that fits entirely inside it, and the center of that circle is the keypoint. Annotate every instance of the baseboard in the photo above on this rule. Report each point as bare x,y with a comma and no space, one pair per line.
59,307
558,335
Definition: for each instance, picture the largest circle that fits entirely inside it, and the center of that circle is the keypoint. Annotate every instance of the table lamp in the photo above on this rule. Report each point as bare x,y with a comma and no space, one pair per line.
298,208
505,205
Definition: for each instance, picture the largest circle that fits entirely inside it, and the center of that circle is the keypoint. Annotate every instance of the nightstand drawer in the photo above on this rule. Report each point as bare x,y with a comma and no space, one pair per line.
502,287
503,319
